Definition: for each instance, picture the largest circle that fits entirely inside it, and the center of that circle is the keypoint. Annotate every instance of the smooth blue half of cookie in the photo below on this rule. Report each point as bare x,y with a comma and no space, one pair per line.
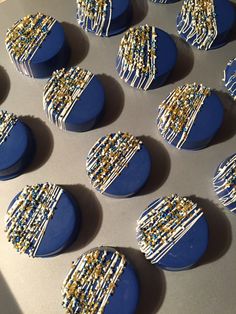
53,54
62,229
16,152
208,121
225,20
133,177
120,19
188,250
126,296
166,53
88,109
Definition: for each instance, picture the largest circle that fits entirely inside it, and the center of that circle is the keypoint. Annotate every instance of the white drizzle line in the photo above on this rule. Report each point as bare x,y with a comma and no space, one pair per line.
109,157
27,219
95,13
137,56
230,83
163,224
22,47
62,92
225,182
159,1
7,122
198,19
92,281
178,112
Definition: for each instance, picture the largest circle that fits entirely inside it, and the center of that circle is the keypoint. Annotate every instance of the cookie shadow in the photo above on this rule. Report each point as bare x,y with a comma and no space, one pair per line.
78,42
4,85
220,233
161,165
90,215
228,128
43,139
185,61
140,10
151,279
114,100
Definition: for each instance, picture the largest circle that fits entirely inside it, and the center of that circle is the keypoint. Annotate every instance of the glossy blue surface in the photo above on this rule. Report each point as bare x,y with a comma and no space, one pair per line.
126,296
120,19
208,121
167,1
62,229
132,178
88,109
188,250
166,59
16,152
53,54
218,183
225,20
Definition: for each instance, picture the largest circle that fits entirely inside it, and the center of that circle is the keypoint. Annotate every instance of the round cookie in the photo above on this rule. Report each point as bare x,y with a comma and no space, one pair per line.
230,77
42,220
17,146
146,57
118,165
224,183
74,99
104,18
172,233
190,116
101,281
37,45
206,24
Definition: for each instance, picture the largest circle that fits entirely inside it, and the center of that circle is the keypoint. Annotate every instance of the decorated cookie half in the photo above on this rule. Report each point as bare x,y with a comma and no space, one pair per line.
173,233
146,57
206,24
230,77
118,165
74,99
101,281
190,116
17,146
37,45
225,183
104,17
42,220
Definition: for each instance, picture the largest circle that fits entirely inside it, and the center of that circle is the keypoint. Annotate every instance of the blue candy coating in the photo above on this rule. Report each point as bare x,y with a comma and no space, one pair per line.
16,152
208,121
53,54
88,109
62,229
225,20
229,72
120,19
166,53
188,250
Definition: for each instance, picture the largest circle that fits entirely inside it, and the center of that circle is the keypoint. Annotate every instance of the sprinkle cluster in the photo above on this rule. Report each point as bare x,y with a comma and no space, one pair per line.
109,156
225,182
7,122
92,281
177,113
25,37
137,56
198,22
164,223
29,215
230,82
62,91
95,15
